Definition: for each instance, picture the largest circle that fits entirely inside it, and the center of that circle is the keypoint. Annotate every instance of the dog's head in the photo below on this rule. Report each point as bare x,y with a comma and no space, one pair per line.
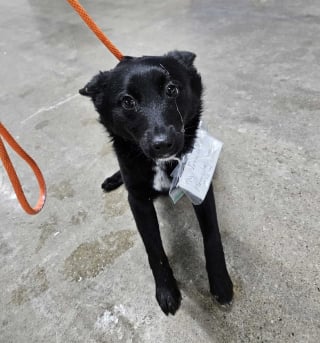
149,101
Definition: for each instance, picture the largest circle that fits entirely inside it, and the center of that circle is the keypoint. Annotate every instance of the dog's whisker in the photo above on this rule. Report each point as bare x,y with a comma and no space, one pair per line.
191,127
182,122
165,70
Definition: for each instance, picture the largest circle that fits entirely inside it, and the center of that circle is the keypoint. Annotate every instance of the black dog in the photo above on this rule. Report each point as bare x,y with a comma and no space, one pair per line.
151,107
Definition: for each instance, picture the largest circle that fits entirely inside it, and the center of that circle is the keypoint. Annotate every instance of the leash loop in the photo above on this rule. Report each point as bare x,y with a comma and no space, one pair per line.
5,135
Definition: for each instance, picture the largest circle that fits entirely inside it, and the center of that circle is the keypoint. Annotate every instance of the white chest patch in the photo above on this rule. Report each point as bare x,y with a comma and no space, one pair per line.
161,181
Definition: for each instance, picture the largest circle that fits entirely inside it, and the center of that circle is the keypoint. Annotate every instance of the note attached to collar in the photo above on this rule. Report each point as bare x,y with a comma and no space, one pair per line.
193,175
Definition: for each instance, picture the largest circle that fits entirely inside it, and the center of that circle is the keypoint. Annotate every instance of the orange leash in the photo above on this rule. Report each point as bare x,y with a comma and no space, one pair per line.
13,175
95,28
15,146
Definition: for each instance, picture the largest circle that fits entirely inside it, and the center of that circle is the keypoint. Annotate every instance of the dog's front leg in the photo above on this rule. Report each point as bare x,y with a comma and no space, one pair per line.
220,283
167,292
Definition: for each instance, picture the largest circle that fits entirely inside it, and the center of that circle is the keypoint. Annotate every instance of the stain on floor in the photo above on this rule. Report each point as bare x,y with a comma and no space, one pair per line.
32,284
48,229
62,190
42,124
113,326
116,203
79,218
91,258
5,249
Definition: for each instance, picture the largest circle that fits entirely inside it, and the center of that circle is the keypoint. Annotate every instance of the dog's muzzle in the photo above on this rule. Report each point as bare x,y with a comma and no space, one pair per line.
156,144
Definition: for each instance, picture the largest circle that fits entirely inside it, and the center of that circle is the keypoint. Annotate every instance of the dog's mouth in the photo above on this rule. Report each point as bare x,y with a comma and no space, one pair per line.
162,147
166,159
162,156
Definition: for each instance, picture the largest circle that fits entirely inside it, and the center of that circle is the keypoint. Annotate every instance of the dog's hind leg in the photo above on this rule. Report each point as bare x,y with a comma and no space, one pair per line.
112,182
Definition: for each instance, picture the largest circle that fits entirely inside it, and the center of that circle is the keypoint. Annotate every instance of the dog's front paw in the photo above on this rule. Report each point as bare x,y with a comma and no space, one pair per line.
112,182
222,290
169,299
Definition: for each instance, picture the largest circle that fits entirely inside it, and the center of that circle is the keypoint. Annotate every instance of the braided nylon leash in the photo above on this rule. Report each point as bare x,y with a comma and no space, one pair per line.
95,28
5,135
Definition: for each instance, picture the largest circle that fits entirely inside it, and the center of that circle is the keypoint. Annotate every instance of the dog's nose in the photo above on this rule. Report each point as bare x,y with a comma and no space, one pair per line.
162,144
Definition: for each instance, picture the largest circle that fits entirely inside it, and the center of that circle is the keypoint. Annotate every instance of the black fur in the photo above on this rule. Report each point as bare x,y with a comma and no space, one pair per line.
151,107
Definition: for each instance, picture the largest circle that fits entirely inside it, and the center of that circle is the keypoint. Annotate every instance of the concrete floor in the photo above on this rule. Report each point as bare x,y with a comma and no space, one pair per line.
78,271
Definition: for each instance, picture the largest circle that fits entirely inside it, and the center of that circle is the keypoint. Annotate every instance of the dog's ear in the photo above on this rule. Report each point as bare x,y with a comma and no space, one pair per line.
96,85
186,58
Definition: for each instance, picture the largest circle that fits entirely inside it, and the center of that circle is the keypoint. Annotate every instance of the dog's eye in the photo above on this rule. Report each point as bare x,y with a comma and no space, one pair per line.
128,103
172,90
